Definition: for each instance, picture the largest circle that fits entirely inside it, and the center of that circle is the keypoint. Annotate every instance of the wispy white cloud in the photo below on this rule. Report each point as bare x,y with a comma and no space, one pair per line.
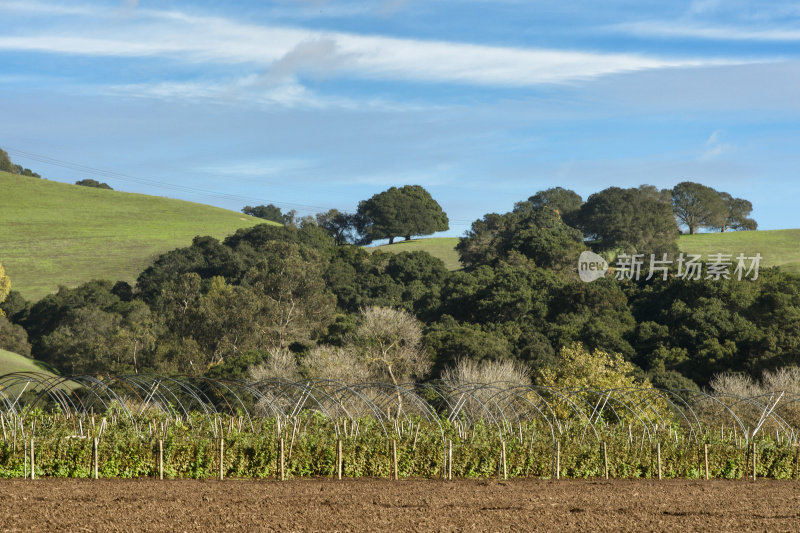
678,29
714,146
205,39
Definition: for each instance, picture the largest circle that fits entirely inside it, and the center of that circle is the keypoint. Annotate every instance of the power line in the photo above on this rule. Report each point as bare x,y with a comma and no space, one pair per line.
114,175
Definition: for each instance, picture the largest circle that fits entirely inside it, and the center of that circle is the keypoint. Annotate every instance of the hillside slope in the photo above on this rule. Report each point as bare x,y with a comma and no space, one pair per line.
777,247
12,362
55,234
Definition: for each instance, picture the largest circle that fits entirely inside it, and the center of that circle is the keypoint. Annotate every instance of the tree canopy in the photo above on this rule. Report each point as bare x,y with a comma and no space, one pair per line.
270,212
536,233
93,183
395,212
637,220
697,206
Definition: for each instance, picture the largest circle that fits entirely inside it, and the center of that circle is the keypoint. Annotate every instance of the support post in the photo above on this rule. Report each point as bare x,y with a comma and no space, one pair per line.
558,460
395,473
161,459
221,457
658,458
705,453
605,459
754,461
339,458
450,459
503,457
95,446
33,461
280,453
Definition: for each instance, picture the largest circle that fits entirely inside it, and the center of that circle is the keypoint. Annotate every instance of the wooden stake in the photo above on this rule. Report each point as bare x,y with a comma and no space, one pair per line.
449,459
503,457
705,452
33,461
221,457
3,423
95,446
754,461
605,458
280,452
658,458
395,473
339,458
161,459
558,460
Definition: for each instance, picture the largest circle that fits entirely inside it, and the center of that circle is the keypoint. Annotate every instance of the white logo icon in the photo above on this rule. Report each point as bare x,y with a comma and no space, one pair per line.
591,266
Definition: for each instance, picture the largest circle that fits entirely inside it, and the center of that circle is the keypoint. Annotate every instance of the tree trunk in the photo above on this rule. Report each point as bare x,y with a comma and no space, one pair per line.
391,240
408,237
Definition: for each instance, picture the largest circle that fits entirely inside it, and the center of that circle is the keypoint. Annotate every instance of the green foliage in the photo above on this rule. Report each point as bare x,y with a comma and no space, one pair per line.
538,234
578,368
697,206
93,183
340,226
251,450
638,220
409,210
269,212
564,201
13,338
736,214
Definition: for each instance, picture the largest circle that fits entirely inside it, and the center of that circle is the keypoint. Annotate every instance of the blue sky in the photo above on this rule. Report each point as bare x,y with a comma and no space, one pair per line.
315,104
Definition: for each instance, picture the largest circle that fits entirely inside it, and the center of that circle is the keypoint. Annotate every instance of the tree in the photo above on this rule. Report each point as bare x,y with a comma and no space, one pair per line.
736,212
637,220
5,287
538,234
13,338
340,226
390,342
7,166
578,368
564,201
409,210
270,212
93,183
5,163
697,206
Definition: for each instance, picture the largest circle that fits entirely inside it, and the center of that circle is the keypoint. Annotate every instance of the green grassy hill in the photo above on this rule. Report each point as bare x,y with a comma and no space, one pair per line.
442,247
12,362
55,234
777,247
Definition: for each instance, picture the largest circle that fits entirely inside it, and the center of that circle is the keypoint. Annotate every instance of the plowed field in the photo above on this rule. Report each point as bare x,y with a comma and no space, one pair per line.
406,505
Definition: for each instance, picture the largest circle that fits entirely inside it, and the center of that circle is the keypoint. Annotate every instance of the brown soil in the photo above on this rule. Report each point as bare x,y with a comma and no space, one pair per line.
407,505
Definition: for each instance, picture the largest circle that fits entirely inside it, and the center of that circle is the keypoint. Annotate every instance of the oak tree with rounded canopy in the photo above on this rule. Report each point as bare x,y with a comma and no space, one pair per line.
736,214
698,206
405,211
636,220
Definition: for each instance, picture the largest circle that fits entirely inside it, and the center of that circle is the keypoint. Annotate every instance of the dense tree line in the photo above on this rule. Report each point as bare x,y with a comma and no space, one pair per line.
7,166
292,300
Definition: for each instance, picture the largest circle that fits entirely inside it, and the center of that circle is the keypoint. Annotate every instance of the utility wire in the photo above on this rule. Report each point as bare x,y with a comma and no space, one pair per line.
114,175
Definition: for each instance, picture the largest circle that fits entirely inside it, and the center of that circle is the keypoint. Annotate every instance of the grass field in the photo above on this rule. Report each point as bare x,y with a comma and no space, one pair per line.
442,247
777,247
55,234
12,362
